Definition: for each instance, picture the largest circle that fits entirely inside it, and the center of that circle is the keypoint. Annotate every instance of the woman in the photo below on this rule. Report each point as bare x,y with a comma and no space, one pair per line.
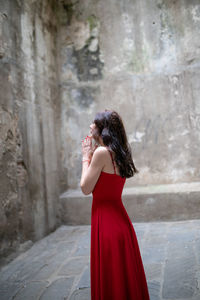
116,268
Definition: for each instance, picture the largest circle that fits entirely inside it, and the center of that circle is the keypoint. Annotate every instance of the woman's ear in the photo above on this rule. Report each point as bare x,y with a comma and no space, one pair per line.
106,135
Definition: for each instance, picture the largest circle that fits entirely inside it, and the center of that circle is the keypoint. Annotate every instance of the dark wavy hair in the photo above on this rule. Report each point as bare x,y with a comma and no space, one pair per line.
110,127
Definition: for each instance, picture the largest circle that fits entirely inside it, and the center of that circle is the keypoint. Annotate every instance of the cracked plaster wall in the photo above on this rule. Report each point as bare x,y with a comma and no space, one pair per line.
29,122
60,63
141,58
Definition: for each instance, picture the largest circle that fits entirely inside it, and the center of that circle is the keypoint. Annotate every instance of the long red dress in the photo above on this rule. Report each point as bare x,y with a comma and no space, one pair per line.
116,268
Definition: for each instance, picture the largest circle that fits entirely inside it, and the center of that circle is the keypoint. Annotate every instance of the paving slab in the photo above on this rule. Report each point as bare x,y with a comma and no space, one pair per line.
58,266
59,289
31,290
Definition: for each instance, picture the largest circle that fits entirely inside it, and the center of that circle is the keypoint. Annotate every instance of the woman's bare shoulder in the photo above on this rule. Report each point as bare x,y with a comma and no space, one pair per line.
101,151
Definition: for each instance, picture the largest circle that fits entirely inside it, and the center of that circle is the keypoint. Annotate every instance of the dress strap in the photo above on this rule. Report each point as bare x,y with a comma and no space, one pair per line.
112,160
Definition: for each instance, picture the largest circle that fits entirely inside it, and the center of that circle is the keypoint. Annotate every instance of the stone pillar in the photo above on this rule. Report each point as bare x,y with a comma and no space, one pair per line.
29,119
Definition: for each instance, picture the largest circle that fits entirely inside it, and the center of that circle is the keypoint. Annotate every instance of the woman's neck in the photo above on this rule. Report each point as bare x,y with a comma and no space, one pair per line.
101,142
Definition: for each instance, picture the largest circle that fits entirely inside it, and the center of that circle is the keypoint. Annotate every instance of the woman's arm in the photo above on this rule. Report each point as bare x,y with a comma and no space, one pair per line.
91,170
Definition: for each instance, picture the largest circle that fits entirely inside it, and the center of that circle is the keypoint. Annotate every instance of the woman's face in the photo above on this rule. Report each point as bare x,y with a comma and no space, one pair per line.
94,132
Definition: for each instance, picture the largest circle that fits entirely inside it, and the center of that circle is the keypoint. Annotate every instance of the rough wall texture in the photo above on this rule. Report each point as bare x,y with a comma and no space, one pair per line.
141,58
29,122
60,63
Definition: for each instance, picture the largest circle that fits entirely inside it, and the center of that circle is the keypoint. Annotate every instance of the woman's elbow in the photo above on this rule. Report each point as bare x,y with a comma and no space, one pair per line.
85,190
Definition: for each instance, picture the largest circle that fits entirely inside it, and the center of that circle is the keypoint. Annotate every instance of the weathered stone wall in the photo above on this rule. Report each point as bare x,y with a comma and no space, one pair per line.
141,58
60,63
29,121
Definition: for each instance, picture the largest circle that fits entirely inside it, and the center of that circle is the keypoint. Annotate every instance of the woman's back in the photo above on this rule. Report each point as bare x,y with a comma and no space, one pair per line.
110,166
110,184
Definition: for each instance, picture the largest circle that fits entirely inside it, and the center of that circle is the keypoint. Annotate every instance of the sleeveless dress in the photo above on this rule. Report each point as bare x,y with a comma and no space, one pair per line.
116,268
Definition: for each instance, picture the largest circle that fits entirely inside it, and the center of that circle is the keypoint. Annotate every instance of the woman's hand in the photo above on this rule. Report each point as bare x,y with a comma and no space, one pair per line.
87,148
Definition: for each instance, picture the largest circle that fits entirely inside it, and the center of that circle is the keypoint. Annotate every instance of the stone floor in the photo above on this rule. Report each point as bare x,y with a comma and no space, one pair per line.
58,266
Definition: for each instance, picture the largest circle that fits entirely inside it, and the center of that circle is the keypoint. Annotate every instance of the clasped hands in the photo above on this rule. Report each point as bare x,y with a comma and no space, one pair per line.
87,148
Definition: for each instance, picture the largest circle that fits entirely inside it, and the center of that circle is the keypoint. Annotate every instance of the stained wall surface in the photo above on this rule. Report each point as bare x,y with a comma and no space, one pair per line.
142,59
29,122
63,61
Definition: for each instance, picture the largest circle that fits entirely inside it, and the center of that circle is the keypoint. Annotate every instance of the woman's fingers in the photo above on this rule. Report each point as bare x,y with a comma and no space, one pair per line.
87,141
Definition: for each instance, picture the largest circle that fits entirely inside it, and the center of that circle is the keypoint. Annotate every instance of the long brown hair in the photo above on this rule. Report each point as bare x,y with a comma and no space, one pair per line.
111,129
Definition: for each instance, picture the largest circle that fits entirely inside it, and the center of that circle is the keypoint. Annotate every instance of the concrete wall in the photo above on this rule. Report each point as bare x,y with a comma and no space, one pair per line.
141,58
60,63
29,121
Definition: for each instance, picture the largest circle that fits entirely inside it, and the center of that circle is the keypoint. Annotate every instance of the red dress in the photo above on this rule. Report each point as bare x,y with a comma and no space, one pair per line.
116,268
